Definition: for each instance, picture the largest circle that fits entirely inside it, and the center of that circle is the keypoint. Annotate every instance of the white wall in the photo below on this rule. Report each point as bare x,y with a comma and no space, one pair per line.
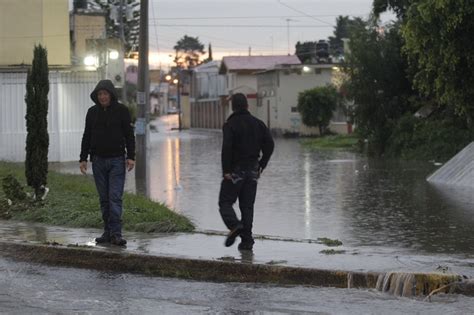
287,97
68,103
278,92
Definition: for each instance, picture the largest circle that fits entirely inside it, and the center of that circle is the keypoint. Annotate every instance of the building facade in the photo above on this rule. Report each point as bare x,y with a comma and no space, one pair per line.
26,23
277,102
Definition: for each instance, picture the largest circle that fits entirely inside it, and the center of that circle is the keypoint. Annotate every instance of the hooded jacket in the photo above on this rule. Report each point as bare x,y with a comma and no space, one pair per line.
108,131
245,136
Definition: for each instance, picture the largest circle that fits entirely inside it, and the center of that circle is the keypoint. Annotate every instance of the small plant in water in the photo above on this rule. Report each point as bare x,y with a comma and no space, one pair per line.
329,242
332,252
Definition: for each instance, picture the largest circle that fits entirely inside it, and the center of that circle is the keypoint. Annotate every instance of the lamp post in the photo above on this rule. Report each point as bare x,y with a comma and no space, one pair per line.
179,97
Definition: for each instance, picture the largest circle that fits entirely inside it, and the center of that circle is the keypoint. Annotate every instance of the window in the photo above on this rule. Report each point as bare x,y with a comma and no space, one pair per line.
294,109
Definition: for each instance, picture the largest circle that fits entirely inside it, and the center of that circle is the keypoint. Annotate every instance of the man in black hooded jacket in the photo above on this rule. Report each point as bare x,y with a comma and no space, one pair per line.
244,137
110,141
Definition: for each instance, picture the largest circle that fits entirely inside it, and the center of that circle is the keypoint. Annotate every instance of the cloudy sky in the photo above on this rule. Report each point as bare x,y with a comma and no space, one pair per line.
232,26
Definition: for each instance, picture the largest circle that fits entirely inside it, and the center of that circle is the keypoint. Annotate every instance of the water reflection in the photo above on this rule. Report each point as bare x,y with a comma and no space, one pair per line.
310,194
307,195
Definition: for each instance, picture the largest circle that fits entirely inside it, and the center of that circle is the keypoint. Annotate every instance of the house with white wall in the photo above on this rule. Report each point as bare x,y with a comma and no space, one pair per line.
277,103
240,72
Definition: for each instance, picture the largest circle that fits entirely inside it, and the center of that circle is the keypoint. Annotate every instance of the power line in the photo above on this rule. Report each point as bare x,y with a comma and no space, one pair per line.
154,27
304,13
246,25
252,17
177,27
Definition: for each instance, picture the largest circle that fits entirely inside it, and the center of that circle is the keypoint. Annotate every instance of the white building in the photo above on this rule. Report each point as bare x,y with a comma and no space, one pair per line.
240,72
278,89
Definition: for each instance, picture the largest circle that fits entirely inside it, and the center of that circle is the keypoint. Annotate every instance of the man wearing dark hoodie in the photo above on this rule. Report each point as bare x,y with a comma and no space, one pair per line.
244,138
110,141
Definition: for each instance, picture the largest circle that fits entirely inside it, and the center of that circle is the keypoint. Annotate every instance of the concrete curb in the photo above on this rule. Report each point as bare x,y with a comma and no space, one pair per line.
225,271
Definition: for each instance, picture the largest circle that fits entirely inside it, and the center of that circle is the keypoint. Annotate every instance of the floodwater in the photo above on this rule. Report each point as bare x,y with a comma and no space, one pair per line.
320,193
37,289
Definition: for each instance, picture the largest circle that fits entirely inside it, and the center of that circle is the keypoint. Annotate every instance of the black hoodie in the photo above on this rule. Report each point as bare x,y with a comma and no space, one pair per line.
109,130
245,137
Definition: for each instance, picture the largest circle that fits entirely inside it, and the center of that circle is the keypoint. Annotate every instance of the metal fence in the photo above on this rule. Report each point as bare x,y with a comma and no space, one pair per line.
68,103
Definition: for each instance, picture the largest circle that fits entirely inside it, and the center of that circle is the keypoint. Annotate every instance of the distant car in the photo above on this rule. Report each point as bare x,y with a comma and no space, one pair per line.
172,110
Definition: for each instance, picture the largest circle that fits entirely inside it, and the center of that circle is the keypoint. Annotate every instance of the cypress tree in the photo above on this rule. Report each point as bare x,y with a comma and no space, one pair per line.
209,52
37,139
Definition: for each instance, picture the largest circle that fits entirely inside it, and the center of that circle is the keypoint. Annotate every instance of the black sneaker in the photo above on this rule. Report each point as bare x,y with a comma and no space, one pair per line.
229,241
105,238
117,240
245,246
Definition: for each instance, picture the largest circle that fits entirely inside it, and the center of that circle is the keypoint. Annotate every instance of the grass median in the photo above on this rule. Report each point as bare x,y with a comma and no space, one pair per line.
345,142
73,201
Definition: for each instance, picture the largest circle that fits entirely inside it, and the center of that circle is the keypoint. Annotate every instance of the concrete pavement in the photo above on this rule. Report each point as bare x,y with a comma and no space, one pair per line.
202,256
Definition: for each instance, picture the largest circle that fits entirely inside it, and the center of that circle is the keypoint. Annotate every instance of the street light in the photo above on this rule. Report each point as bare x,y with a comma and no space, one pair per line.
91,60
114,54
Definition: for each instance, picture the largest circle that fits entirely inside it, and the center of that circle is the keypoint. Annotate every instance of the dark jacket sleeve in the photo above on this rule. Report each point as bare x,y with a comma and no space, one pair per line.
226,155
267,147
86,138
129,134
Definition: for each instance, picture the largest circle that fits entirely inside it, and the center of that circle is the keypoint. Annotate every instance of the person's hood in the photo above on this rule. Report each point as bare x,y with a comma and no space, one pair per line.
104,85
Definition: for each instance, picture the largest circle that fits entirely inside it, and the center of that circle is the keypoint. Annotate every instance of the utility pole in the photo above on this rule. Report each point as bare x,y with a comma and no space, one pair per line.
142,103
288,34
122,38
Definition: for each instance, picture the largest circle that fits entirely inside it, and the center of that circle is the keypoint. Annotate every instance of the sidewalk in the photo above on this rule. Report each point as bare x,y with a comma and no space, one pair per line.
202,256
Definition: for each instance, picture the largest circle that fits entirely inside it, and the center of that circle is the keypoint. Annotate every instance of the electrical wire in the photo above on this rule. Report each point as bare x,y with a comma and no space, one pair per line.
304,13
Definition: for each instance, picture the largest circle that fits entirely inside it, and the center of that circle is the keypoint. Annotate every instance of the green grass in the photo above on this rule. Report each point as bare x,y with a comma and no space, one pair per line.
332,142
73,201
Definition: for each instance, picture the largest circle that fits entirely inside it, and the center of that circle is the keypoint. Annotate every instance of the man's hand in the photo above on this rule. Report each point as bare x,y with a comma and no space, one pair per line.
83,167
228,176
130,165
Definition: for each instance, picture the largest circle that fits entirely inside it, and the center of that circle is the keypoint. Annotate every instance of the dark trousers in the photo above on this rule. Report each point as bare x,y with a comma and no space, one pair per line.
109,176
244,187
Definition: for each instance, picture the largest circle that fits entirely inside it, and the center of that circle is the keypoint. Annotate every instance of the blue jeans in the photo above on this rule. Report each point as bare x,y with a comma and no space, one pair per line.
243,186
109,176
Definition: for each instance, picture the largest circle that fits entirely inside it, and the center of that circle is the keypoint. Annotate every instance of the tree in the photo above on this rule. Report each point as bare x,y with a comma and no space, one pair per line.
37,139
378,83
440,49
400,7
344,25
305,51
209,54
317,105
188,52
130,18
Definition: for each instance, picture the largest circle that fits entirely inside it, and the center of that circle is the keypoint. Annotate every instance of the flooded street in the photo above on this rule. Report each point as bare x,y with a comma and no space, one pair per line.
383,211
38,289
310,194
